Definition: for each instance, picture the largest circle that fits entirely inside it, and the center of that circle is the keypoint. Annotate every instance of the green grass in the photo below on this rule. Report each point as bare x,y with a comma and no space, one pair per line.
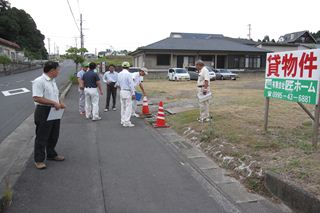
73,79
7,194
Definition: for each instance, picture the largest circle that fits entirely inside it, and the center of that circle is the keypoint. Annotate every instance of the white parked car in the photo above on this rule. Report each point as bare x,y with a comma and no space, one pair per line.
178,74
212,74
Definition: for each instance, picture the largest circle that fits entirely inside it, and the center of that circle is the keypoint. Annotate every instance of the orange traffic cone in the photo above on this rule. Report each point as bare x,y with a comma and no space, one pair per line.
161,121
145,106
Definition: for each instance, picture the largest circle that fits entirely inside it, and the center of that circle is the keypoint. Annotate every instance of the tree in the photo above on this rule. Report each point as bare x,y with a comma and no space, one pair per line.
18,26
4,5
316,35
266,39
75,54
5,60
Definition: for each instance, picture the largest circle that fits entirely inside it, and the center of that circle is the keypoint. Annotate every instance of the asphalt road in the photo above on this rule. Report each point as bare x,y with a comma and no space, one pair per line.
16,108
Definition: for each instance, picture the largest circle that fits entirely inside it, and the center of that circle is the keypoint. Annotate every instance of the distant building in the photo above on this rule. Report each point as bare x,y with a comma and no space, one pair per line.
302,40
183,49
90,56
10,49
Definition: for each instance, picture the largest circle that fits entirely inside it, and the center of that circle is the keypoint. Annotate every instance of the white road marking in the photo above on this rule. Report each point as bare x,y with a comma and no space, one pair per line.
5,85
15,91
19,81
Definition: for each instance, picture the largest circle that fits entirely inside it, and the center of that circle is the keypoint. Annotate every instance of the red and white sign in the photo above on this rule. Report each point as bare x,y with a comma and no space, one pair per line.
304,65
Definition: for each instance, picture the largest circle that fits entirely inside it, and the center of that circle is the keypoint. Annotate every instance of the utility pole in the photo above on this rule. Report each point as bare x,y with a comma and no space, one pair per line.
81,33
49,45
54,48
249,35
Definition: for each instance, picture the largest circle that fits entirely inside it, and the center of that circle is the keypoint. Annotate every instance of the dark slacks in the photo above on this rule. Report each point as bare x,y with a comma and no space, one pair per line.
111,90
47,134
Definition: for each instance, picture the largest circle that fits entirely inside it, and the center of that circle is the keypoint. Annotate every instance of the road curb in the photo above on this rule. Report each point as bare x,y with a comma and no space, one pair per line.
294,196
15,151
65,91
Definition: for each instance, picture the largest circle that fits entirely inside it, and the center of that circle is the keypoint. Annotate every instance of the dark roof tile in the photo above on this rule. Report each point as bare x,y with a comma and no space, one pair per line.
212,44
9,43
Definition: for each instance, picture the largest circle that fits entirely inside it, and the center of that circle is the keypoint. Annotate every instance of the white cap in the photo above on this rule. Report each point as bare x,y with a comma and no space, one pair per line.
145,70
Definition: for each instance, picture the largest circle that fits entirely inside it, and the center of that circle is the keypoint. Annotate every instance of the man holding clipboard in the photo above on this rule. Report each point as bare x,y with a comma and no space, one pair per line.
45,94
204,94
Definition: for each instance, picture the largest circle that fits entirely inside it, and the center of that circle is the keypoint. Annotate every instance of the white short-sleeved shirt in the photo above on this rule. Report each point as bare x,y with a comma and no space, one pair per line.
136,78
203,76
125,81
80,74
45,87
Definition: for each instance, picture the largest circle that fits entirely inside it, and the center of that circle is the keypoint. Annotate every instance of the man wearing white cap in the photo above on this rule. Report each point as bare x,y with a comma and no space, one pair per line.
137,79
127,94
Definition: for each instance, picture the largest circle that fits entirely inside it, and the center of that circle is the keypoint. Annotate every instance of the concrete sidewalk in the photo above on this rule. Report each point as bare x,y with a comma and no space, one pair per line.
110,168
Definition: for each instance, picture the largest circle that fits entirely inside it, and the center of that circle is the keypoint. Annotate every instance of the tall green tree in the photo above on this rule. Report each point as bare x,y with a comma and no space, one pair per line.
18,26
75,54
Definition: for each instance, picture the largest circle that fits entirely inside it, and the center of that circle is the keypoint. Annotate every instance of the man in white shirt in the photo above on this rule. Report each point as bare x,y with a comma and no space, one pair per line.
45,94
137,80
127,94
83,70
203,85
111,78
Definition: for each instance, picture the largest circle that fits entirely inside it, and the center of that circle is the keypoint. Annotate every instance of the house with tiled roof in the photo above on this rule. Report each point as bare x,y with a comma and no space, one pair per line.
302,40
9,49
183,49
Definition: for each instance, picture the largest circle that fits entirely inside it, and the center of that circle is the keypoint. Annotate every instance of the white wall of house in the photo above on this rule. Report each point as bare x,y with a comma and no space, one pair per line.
8,51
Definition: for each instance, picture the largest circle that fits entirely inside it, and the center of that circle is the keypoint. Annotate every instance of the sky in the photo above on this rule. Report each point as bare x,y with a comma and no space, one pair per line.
129,24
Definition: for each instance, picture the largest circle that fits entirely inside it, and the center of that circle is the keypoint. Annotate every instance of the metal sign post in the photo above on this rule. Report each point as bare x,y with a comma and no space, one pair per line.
266,114
316,126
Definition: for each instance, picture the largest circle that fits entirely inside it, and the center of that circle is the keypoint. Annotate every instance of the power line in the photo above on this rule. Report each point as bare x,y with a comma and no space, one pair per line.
73,15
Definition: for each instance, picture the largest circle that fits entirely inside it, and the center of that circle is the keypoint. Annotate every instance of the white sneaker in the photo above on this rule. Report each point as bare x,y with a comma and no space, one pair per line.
114,109
206,120
106,110
128,125
96,119
136,115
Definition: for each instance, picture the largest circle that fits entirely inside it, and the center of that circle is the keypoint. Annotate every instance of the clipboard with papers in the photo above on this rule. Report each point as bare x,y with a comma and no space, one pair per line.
205,97
55,114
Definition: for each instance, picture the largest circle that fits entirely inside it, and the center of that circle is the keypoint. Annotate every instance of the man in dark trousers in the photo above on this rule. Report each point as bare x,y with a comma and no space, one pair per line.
92,87
45,94
111,78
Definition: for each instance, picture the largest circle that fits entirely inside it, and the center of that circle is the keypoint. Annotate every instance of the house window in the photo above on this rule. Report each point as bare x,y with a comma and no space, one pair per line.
253,62
191,61
242,62
163,59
